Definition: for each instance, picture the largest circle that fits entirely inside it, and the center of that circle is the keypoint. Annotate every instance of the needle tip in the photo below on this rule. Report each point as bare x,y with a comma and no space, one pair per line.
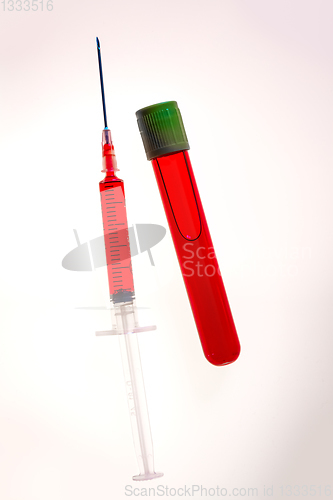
101,78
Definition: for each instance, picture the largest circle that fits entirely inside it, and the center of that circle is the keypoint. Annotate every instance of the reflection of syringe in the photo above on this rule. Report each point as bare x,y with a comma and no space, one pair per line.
121,286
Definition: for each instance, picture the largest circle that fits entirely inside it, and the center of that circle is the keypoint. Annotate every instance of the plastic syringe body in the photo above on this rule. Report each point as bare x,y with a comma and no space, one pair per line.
123,311
116,237
196,256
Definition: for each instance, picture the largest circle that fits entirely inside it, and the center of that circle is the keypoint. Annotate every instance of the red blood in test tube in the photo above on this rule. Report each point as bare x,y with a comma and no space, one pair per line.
166,145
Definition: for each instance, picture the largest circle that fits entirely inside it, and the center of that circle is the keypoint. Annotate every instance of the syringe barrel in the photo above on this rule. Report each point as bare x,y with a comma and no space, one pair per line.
116,238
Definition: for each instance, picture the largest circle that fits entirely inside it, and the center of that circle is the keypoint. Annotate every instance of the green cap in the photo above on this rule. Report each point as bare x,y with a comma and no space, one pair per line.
162,129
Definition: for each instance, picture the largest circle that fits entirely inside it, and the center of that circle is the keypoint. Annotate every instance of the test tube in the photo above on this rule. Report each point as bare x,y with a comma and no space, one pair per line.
166,145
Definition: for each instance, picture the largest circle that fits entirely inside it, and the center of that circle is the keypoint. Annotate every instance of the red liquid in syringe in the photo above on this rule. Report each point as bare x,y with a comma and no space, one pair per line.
116,236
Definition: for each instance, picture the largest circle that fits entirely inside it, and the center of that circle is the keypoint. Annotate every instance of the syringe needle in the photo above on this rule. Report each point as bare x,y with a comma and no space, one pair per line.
102,82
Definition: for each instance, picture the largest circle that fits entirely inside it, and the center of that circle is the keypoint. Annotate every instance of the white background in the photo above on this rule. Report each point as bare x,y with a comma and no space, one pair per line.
253,80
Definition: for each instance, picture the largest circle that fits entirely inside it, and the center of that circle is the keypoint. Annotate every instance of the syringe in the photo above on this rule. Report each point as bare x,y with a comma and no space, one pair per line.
122,297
